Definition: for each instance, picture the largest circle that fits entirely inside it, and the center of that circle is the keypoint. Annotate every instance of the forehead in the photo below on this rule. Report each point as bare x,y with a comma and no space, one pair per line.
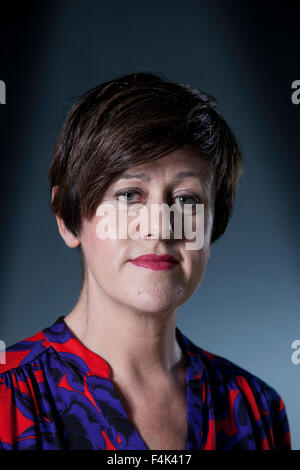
179,164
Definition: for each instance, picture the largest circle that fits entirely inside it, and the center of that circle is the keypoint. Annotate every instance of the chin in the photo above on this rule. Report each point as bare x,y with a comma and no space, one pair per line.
156,302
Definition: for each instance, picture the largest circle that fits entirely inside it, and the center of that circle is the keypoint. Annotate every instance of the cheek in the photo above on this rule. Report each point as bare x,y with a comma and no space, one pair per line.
102,255
197,231
199,263
196,259
106,252
194,267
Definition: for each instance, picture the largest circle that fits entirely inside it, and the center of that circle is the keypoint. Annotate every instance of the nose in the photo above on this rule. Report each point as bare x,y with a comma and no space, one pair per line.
156,220
160,224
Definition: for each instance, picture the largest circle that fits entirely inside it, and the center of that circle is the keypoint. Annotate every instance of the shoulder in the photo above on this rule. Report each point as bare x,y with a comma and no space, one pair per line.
231,385
20,372
227,371
23,352
221,370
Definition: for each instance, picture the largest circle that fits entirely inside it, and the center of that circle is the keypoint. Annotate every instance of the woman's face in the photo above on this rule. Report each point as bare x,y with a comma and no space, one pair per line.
107,261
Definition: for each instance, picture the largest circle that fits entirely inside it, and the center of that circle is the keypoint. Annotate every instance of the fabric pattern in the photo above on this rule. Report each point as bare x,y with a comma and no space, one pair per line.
55,393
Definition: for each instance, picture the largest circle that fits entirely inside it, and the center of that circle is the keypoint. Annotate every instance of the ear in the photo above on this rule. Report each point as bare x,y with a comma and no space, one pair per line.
70,240
54,189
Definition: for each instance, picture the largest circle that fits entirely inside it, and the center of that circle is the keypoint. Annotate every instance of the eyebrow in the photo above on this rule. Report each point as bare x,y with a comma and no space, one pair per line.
179,176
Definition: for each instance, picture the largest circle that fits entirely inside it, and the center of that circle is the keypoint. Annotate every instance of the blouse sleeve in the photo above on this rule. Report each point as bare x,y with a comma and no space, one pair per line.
282,438
274,416
16,413
6,413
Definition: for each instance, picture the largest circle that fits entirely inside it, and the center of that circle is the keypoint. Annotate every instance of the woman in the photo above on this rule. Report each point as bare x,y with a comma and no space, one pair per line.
116,372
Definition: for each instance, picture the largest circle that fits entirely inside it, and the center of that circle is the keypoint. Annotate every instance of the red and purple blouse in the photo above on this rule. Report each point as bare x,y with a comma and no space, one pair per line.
55,393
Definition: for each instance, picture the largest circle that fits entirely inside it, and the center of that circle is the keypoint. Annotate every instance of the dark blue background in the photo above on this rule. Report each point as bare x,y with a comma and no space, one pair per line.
244,53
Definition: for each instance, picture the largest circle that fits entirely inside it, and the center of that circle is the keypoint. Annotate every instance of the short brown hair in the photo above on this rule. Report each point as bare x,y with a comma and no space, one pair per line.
135,119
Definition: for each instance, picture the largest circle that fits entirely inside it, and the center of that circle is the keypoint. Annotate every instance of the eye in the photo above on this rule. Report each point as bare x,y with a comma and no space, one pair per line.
124,193
127,195
188,203
193,199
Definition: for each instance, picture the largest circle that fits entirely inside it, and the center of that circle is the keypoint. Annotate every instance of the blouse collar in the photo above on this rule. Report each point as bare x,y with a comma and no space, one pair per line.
73,350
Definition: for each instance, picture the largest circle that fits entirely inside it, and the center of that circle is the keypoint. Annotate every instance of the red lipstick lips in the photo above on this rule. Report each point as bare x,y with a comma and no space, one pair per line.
155,262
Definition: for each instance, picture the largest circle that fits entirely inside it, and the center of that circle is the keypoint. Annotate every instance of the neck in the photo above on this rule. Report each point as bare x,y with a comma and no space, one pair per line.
136,344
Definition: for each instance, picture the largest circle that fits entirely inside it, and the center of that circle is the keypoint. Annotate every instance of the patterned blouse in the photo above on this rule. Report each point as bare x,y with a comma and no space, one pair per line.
55,393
